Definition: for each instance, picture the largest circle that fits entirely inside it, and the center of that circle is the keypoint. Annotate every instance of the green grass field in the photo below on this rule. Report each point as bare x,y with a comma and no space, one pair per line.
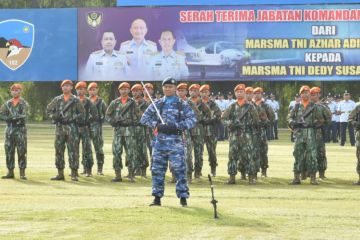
94,208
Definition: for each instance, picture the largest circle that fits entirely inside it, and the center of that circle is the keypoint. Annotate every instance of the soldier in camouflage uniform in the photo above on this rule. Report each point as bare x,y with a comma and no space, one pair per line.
210,135
266,117
14,112
320,143
122,114
241,118
303,119
149,132
91,115
197,133
354,119
140,131
176,116
96,126
255,138
66,111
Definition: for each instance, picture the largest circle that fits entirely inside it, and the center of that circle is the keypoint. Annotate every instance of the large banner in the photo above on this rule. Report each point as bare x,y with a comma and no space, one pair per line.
265,42
132,3
38,44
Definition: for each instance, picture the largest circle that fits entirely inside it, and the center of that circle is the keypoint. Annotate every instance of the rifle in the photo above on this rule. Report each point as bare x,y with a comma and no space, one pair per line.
237,124
213,200
120,118
13,119
305,114
61,117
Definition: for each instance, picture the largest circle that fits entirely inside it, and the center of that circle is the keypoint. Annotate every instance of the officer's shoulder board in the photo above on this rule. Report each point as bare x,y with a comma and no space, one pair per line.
97,52
125,43
181,53
151,42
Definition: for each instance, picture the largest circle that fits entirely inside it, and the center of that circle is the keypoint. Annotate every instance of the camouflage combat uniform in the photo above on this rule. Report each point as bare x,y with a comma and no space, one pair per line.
241,151
197,134
354,119
66,130
210,135
124,135
149,134
90,116
96,132
15,133
320,143
305,150
266,117
140,135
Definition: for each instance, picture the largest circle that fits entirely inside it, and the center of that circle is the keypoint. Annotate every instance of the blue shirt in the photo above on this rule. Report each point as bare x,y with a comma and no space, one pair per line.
345,107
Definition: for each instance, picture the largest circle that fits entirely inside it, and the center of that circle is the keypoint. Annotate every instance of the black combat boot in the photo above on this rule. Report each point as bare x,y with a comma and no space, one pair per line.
156,202
296,180
73,175
22,174
89,172
252,180
313,180
9,175
264,172
131,175
100,170
60,176
243,175
183,202
117,177
213,171
322,174
231,180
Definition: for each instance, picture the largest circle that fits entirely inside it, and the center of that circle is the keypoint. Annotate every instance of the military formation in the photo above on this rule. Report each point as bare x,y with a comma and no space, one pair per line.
174,130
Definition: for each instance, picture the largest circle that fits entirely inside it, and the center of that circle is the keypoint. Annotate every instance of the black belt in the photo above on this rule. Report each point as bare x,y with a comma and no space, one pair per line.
175,132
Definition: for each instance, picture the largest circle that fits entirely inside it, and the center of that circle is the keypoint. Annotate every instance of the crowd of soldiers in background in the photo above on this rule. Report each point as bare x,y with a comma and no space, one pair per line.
340,106
248,121
224,102
311,120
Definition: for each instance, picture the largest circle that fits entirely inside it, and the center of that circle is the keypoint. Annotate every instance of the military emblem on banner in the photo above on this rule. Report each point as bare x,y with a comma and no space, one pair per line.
94,19
16,42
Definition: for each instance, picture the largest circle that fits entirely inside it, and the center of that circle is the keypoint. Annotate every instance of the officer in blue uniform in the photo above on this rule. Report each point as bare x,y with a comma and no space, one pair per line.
176,116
